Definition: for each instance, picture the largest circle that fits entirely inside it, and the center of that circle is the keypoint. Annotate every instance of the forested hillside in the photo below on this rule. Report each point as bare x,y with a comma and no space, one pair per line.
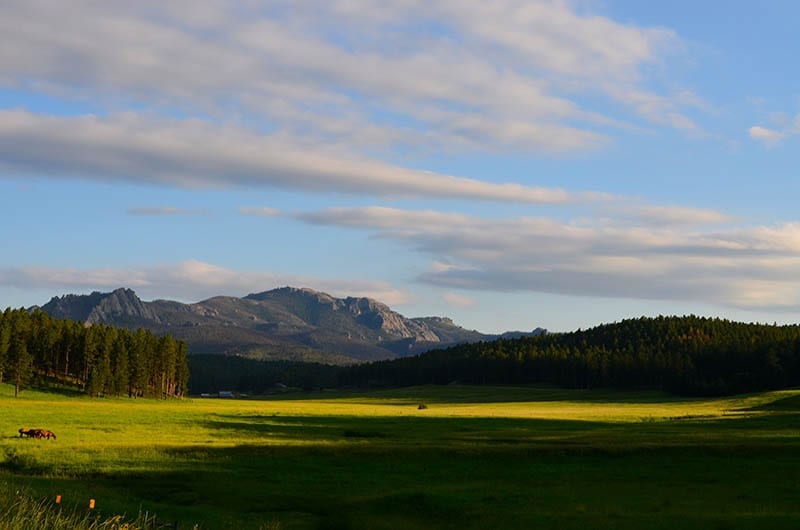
686,355
213,373
100,360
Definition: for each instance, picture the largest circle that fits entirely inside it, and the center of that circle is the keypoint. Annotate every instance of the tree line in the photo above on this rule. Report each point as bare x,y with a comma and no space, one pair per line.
214,373
687,355
99,360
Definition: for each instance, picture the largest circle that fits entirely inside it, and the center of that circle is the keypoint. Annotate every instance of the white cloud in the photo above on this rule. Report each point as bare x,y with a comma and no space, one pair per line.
768,137
742,267
783,128
189,281
195,154
660,109
676,215
458,75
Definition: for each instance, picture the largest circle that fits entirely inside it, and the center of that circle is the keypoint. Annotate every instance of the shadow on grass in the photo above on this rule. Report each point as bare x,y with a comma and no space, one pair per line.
255,484
428,487
480,394
740,435
59,390
432,472
393,430
787,404
21,463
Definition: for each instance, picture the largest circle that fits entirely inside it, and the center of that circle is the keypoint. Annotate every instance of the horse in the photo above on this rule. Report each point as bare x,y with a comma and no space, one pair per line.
36,433
30,433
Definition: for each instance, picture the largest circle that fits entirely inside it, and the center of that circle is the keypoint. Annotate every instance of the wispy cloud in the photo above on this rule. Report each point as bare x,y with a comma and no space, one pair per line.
768,137
670,215
194,154
189,281
755,267
782,126
263,211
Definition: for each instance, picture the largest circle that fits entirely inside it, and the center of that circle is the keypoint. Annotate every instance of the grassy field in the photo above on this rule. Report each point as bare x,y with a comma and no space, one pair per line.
476,457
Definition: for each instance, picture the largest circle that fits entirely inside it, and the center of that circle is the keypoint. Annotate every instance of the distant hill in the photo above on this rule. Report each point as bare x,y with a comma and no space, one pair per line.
286,323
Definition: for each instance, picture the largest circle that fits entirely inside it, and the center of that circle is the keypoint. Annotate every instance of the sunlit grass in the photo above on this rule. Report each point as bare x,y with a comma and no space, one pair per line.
130,434
376,460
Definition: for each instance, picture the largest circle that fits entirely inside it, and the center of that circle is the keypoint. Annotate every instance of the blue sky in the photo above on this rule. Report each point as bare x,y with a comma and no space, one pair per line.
511,164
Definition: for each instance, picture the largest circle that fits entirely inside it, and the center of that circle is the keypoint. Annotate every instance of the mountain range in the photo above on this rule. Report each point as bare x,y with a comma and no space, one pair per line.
285,323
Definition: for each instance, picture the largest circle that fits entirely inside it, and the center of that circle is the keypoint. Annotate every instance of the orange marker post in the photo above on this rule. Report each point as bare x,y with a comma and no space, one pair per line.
91,504
58,499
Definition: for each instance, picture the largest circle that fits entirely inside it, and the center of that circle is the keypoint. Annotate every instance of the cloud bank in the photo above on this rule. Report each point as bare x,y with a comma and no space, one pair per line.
444,74
753,268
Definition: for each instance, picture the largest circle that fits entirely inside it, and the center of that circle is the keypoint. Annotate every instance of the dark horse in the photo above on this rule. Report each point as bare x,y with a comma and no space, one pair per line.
30,433
36,433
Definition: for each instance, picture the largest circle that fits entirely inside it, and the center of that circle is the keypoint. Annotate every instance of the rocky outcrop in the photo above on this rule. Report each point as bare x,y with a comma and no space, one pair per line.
377,318
121,304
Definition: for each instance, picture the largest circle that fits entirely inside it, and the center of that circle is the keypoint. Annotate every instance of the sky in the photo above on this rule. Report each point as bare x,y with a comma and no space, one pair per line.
511,164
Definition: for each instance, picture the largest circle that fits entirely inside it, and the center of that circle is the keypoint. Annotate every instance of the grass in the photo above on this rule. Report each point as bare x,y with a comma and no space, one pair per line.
476,457
21,511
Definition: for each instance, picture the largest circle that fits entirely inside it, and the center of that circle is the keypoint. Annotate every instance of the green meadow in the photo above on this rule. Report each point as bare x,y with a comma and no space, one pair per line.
475,457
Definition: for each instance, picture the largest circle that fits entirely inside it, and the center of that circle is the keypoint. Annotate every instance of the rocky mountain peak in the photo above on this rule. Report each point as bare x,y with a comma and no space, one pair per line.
120,305
279,323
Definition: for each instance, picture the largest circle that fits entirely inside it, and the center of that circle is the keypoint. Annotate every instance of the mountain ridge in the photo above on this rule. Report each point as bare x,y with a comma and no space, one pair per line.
286,323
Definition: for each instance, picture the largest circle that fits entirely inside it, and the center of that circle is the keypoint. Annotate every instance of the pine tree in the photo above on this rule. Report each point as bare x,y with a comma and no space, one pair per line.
20,364
182,370
5,344
120,372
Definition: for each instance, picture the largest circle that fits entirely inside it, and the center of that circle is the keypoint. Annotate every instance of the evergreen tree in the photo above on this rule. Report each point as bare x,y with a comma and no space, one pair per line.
20,364
5,345
138,364
101,359
119,360
182,370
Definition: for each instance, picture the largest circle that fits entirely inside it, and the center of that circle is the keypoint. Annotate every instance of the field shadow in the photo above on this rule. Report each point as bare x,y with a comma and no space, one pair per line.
481,394
382,432
321,424
745,434
790,404
435,472
331,486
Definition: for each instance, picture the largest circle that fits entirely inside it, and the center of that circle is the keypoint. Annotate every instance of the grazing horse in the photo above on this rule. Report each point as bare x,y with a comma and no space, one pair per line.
36,433
30,433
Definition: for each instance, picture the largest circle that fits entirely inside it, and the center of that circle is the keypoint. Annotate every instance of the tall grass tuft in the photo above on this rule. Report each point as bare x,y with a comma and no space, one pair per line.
21,511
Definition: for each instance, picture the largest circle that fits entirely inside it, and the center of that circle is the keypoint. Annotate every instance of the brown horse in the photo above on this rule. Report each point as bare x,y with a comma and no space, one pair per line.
30,433
37,433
